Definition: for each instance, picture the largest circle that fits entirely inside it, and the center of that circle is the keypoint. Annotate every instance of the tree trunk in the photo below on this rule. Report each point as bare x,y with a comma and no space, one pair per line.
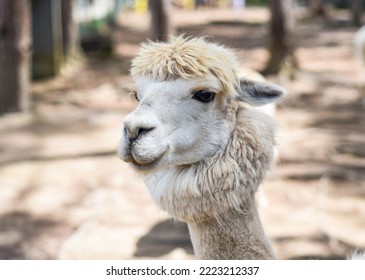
356,12
47,38
15,54
161,27
69,38
282,39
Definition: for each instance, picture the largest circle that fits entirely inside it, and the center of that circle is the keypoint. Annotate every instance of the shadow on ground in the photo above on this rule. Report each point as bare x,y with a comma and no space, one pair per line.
163,238
20,234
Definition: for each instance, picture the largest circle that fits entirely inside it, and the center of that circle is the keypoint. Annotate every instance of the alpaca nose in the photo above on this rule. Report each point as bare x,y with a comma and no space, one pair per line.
133,132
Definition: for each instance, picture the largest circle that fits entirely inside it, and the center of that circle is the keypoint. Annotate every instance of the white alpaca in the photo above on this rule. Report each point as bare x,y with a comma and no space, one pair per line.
359,42
200,146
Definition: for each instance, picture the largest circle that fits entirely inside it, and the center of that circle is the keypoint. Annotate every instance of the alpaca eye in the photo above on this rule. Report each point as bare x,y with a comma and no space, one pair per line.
204,95
134,94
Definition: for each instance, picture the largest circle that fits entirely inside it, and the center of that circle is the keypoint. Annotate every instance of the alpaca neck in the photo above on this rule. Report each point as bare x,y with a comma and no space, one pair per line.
234,235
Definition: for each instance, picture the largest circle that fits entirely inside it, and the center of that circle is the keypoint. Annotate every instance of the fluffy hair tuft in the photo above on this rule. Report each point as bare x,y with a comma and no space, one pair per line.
187,58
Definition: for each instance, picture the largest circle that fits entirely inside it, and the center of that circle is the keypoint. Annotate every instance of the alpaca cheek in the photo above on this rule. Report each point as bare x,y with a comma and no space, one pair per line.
192,145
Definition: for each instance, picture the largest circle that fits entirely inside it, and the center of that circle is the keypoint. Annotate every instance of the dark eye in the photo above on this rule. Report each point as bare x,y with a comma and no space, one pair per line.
135,94
204,95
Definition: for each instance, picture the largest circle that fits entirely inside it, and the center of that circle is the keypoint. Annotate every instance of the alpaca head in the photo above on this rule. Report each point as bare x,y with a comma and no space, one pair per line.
187,91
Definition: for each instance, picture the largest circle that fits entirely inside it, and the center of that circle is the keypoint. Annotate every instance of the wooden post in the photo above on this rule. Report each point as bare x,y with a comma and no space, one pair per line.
15,54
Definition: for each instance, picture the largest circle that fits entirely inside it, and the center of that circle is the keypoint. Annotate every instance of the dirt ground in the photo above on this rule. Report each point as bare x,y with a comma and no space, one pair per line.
64,194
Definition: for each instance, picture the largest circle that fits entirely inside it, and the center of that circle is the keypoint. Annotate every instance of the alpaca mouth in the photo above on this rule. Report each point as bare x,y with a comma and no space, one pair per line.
145,166
142,157
145,163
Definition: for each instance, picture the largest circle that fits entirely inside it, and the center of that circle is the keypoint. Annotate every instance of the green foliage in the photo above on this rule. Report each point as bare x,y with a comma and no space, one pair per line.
256,2
93,27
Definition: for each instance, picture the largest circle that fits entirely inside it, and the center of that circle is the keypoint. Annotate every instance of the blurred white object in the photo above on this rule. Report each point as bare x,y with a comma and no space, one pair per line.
359,42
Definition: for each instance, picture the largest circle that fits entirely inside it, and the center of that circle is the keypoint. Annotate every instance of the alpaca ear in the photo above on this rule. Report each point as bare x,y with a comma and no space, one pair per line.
259,93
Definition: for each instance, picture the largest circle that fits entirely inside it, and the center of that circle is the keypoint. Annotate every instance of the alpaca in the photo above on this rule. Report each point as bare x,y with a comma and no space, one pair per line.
200,145
359,44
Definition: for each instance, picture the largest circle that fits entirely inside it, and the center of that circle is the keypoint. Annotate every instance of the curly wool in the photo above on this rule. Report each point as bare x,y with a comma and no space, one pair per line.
187,58
224,181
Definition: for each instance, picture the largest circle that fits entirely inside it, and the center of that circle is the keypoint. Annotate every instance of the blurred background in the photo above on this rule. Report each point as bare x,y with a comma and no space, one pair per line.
64,91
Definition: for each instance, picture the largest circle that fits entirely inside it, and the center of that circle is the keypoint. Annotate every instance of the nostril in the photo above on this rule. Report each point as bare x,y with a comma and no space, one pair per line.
137,132
144,130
